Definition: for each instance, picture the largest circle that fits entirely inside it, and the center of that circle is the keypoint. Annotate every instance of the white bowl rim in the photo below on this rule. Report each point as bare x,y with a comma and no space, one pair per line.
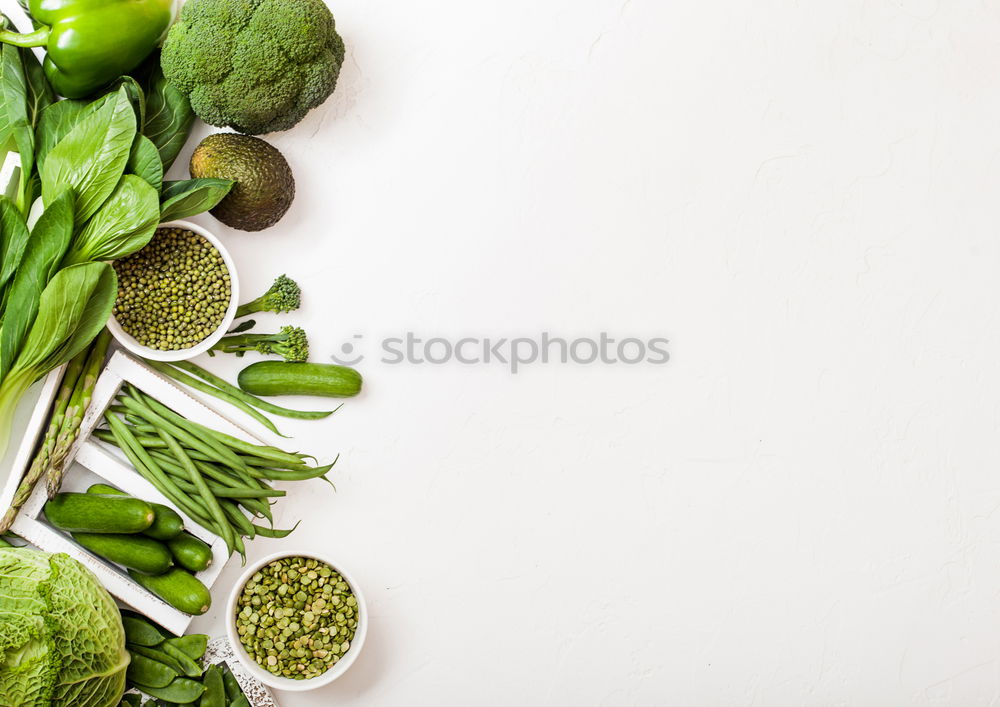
287,684
130,343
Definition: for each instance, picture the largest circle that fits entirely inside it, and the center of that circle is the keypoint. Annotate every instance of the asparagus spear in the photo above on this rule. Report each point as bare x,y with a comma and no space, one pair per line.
78,404
41,461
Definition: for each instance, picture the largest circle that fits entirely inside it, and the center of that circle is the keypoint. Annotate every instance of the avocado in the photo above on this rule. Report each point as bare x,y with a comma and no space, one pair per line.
264,186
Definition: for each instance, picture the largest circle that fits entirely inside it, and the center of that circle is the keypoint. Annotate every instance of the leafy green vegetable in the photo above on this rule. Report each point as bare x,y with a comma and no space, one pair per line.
191,196
13,240
72,309
49,240
168,116
125,223
92,157
15,98
62,638
145,162
55,123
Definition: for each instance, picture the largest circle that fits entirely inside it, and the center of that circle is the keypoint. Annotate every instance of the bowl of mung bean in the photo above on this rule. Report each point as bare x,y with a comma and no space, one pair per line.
297,621
177,296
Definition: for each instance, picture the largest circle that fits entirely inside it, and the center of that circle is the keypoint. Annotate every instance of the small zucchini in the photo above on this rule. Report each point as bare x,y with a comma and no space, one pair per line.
167,523
133,551
178,588
190,552
282,378
92,513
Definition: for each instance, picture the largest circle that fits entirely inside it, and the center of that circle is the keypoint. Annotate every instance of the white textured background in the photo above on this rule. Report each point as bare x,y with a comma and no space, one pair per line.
802,507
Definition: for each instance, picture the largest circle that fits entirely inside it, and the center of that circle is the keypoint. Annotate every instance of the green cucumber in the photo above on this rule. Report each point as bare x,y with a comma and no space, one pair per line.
146,671
141,632
282,378
167,523
190,552
178,588
181,690
133,551
91,513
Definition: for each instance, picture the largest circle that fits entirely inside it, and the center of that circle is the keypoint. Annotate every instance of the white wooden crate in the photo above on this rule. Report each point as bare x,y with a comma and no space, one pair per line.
107,463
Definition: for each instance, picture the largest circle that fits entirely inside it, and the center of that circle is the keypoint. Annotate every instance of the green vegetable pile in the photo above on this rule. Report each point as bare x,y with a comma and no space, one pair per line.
297,617
254,65
96,169
211,476
62,643
173,293
170,669
145,538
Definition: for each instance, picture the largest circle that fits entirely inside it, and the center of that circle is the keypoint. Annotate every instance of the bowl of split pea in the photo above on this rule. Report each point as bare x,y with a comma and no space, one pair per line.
297,621
177,296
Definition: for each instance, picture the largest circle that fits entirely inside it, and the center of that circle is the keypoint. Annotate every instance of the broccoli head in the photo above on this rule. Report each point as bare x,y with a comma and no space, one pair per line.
255,65
283,296
290,343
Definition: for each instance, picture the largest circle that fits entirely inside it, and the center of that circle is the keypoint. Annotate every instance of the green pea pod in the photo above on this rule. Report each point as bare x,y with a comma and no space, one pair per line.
233,689
141,632
146,671
240,701
158,656
181,690
188,666
215,692
193,645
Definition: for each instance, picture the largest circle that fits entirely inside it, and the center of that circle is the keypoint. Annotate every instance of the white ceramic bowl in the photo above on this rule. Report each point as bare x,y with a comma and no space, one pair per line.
288,684
130,343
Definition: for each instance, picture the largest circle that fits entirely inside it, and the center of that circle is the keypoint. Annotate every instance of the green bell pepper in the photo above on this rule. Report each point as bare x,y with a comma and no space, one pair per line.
90,43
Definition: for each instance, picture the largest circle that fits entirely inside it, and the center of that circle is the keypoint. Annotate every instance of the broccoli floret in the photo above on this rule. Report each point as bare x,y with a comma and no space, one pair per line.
290,343
255,65
284,296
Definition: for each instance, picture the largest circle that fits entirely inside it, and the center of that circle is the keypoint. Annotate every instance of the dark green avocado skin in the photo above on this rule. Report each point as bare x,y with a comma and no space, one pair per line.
264,187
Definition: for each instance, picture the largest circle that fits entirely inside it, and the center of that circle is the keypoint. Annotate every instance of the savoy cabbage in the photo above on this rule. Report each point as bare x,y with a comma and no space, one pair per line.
61,636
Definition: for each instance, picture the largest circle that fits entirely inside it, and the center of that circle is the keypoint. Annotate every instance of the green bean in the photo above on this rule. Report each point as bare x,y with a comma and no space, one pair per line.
206,446
225,396
274,532
258,507
240,522
296,475
194,430
215,510
252,399
220,491
210,470
148,468
248,448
